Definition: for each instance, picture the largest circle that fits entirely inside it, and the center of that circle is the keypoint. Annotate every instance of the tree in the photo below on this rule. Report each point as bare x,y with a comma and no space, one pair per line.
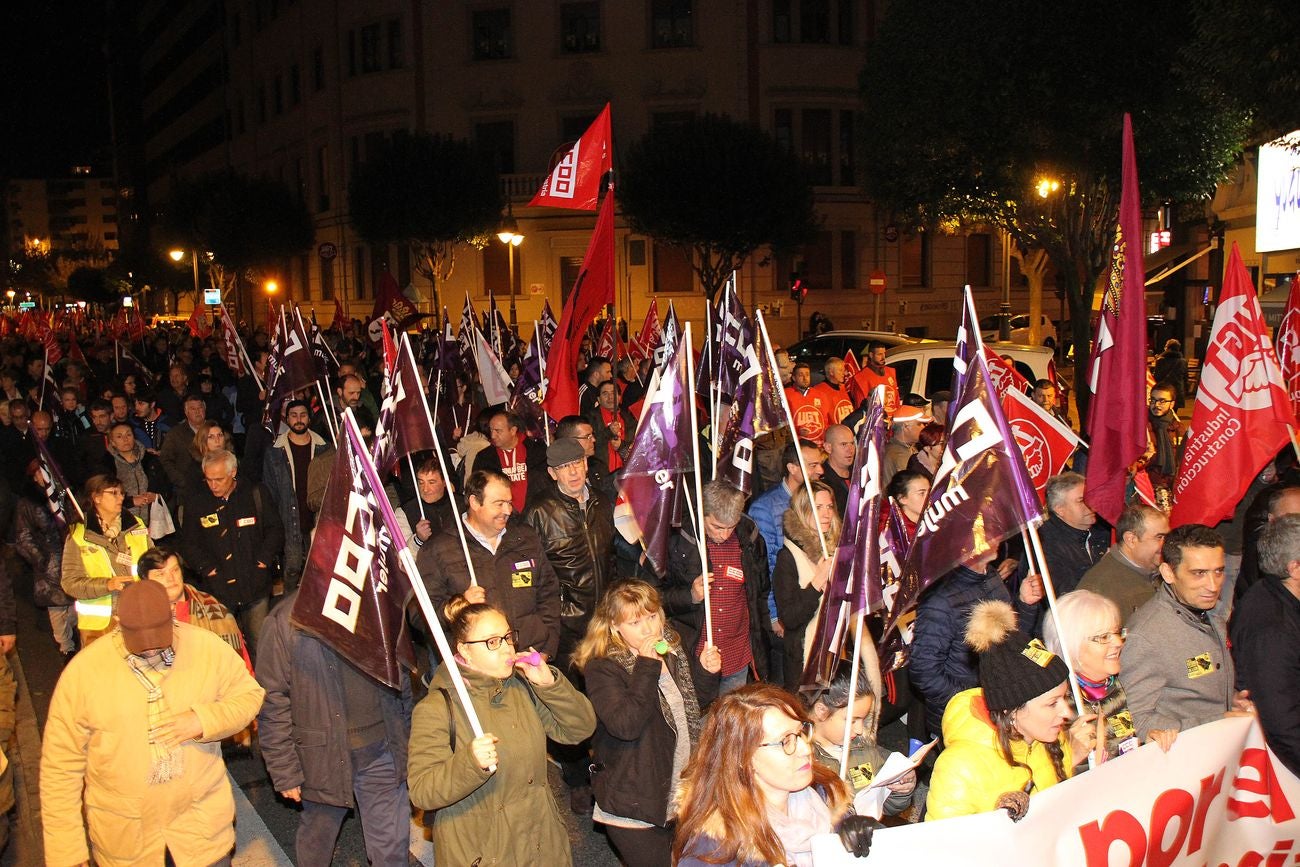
245,223
718,188
432,193
1009,114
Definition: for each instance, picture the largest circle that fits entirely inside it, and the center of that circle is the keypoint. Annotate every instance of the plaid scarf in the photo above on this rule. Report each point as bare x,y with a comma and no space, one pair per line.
207,613
679,668
167,764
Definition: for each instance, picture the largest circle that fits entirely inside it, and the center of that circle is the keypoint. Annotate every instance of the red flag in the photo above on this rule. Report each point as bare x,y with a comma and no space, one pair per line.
53,352
1045,443
574,183
606,346
340,323
593,289
198,323
74,351
1242,411
228,347
1288,345
1117,415
645,343
1005,376
392,305
851,366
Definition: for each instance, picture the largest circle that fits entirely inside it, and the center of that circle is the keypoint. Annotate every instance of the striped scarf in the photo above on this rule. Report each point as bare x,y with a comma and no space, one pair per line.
167,764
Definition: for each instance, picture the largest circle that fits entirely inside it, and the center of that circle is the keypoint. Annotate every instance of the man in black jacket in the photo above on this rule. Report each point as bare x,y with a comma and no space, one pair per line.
739,583
232,536
333,739
576,526
510,566
1072,543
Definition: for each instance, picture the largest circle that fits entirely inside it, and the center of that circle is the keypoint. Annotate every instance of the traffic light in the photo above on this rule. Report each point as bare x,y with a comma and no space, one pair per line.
798,291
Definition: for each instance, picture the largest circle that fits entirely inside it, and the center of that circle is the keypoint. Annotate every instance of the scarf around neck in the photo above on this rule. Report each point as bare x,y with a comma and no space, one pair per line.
679,669
166,764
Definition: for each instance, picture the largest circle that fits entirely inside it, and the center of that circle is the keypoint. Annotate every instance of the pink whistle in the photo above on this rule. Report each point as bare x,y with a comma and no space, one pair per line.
532,657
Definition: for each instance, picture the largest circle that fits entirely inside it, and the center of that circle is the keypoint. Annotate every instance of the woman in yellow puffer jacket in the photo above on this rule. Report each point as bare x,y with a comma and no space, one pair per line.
1010,737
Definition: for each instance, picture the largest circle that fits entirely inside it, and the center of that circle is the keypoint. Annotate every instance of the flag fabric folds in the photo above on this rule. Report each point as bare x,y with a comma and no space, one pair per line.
592,291
404,426
1242,413
1045,443
981,493
392,305
58,495
1117,414
644,344
229,347
755,408
353,592
1288,346
574,182
289,366
854,585
657,466
492,375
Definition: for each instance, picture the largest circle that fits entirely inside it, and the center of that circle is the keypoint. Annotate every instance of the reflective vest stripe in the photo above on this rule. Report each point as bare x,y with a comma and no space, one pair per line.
97,614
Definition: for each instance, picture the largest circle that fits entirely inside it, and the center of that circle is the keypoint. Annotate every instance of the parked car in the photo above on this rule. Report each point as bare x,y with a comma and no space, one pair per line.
990,326
816,350
926,367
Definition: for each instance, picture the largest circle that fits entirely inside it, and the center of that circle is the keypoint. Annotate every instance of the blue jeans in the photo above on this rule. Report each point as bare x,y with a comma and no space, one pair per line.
382,804
732,682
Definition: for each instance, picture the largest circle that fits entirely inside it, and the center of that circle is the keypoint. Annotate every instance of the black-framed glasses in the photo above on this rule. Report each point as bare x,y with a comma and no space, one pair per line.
1119,635
1161,400
789,742
511,638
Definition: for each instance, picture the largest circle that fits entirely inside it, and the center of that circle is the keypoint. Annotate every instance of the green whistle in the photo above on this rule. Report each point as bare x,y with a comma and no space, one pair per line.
661,646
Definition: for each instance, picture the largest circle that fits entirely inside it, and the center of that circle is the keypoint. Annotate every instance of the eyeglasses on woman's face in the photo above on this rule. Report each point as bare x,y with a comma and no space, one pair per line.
790,741
511,638
1115,636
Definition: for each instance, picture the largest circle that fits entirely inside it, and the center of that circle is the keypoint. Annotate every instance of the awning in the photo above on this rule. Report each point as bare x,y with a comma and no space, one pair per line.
1172,259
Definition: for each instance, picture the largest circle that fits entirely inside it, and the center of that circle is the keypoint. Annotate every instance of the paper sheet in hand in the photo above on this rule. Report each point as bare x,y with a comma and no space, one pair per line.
871,800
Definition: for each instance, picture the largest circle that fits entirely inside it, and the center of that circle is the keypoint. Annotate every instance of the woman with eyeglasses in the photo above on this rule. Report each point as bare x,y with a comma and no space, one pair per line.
491,792
1093,626
752,794
648,692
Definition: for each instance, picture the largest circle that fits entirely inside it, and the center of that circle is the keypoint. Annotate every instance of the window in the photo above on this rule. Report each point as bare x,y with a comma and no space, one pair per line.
327,279
235,34
496,139
672,269
261,103
492,34
914,261
295,86
848,260
579,27
978,254
352,54
570,267
354,148
375,143
496,268
817,263
848,146
277,91
671,25
395,51
370,50
572,128
844,26
318,69
671,119
815,145
300,179
322,178
239,114
359,269
814,21
782,26
783,128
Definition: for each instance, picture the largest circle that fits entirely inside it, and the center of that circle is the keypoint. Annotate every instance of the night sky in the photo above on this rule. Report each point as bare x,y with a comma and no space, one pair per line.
55,87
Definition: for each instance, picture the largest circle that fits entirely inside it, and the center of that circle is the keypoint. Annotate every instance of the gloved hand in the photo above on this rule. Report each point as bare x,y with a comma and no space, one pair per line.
855,833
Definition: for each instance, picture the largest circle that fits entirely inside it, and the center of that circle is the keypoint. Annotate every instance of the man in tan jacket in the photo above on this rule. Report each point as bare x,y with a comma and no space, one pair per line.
133,742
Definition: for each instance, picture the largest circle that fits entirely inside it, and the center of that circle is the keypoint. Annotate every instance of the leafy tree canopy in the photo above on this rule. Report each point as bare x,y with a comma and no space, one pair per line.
971,107
243,221
719,188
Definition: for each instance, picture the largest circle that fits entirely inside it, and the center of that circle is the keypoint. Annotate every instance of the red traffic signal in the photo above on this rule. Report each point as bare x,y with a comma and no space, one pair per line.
798,290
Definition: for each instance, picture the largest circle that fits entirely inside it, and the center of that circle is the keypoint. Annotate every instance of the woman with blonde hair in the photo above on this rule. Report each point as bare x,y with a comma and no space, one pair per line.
648,692
494,805
211,436
752,794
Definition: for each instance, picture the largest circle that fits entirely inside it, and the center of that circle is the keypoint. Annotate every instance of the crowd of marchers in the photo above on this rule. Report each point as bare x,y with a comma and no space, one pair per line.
170,568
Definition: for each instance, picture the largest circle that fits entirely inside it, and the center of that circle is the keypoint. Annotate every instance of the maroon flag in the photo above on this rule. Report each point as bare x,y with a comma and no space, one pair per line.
668,338
1242,414
592,291
854,585
1117,414
575,181
1288,345
969,344
53,352
340,322
404,426
981,493
1045,443
607,344
74,351
392,305
58,495
660,459
353,593
757,407
645,342
230,347
290,366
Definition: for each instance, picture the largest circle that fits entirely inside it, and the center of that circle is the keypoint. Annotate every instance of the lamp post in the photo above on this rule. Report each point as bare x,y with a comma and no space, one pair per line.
510,236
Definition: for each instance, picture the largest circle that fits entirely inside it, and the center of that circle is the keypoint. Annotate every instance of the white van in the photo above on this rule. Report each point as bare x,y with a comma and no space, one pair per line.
925,368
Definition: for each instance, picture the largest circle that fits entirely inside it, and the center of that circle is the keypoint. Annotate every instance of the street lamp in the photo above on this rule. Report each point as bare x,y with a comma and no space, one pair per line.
176,256
510,236
271,287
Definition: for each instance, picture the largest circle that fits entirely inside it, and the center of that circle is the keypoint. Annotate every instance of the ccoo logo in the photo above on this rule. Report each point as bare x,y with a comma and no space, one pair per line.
1033,445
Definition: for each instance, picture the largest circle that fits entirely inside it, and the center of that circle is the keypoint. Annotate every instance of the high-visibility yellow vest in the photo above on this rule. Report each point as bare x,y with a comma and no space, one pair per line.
97,614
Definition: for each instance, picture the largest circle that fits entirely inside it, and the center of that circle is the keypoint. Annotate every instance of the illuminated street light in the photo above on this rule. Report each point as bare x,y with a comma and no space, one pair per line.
176,255
511,237
1047,186
271,287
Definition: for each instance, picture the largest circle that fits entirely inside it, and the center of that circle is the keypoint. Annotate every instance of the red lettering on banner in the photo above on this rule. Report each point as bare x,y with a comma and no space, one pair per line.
1210,789
1119,826
1274,803
1172,804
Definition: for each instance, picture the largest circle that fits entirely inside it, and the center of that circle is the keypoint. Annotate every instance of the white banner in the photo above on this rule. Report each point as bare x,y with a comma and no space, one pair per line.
1217,798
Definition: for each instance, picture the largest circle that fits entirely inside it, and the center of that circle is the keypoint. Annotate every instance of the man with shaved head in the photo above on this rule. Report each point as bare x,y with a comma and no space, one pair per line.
841,448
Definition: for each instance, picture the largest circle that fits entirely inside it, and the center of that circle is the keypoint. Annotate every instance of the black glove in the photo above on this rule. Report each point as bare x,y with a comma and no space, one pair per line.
855,833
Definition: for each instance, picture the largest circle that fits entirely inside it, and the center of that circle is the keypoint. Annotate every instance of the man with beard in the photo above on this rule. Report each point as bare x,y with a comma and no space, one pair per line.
1165,434
285,475
875,372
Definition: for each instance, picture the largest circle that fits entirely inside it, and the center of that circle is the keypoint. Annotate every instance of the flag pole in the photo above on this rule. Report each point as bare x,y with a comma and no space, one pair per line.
699,487
239,342
1049,589
789,419
410,462
328,412
853,690
45,374
442,462
541,375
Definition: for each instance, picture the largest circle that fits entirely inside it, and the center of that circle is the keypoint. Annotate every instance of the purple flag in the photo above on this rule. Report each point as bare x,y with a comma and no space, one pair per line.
354,592
294,367
548,325
57,493
404,426
465,338
755,409
854,585
660,459
982,493
969,344
672,336
327,365
526,400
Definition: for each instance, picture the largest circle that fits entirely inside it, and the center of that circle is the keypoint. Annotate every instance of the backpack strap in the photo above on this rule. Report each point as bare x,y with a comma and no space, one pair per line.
451,719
